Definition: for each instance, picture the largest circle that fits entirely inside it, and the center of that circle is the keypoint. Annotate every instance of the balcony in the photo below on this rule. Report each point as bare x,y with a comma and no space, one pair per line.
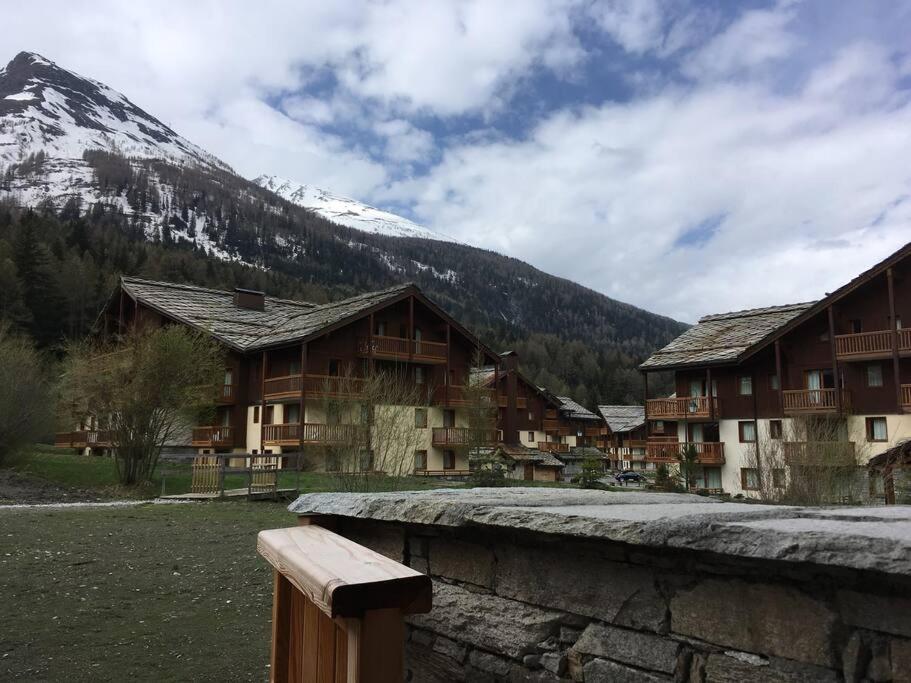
707,452
819,453
597,431
327,386
213,437
814,401
689,408
521,402
226,394
906,397
553,447
84,438
399,348
464,436
626,453
310,433
871,345
460,395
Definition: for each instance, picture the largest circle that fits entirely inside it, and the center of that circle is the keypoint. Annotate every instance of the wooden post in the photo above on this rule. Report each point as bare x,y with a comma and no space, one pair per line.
709,393
496,393
893,324
410,327
262,404
834,359
448,355
303,398
780,378
338,608
120,313
221,476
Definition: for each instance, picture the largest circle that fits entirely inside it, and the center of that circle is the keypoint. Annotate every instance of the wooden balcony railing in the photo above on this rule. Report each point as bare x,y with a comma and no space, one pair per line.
464,436
216,436
553,447
226,394
331,386
442,473
551,424
707,452
521,402
400,348
819,453
338,608
625,453
290,434
906,397
460,395
597,431
691,407
870,344
800,401
84,438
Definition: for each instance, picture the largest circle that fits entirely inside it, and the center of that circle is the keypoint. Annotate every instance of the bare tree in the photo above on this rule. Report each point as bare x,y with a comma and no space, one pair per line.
26,407
372,420
813,463
143,389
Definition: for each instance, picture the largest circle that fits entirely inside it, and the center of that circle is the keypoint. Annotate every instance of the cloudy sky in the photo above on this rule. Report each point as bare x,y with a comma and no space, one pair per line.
684,156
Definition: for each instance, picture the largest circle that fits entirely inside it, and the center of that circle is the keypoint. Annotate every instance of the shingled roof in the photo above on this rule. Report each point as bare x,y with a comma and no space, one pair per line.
623,418
724,338
574,411
281,321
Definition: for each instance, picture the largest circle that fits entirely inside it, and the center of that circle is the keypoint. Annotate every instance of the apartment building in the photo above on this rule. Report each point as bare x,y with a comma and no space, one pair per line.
627,431
834,372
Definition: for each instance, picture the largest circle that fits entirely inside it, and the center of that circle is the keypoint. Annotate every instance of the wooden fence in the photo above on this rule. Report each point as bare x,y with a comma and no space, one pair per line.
338,608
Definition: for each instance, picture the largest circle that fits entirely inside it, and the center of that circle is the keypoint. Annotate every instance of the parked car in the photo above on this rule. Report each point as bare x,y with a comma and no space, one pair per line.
633,477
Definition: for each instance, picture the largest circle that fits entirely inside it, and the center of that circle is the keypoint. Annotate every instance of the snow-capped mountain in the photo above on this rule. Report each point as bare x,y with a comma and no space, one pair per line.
47,110
347,211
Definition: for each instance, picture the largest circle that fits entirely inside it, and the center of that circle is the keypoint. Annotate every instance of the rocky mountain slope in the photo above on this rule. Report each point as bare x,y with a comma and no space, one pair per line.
109,171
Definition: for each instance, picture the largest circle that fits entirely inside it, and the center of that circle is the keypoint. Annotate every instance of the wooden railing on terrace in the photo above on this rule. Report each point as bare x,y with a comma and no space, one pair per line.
707,452
625,453
521,402
464,436
906,397
338,608
815,401
680,408
401,348
819,452
333,386
868,344
83,438
442,473
553,447
460,395
226,394
312,433
216,436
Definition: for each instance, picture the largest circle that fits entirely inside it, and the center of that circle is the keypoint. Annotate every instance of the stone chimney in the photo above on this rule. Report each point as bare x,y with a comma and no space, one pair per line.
249,298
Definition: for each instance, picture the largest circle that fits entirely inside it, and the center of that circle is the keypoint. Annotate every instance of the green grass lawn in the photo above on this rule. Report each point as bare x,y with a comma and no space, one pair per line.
155,592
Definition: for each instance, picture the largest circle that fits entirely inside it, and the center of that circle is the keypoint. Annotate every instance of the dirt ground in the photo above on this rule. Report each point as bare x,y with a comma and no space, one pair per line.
146,593
16,488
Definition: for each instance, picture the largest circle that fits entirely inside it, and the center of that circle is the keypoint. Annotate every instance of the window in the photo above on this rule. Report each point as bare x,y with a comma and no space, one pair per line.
898,322
420,418
531,437
778,477
531,416
366,414
294,367
774,384
856,326
876,429
419,375
747,430
333,367
417,340
420,460
292,413
448,460
745,386
874,375
658,427
775,429
381,328
749,478
268,414
256,415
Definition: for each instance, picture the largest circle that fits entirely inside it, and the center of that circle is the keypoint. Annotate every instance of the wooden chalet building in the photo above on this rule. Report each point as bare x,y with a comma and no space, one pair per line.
626,425
283,358
840,367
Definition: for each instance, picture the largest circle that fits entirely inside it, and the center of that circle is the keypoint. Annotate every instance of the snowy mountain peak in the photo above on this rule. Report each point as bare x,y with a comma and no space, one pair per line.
45,108
348,212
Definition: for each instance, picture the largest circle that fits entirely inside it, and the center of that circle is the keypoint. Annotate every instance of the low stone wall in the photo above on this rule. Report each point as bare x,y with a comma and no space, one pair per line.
537,584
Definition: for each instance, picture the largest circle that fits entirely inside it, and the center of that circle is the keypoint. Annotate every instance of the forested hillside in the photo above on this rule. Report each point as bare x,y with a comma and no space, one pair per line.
57,264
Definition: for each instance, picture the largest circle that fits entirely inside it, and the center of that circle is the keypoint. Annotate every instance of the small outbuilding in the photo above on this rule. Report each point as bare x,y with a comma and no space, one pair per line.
890,474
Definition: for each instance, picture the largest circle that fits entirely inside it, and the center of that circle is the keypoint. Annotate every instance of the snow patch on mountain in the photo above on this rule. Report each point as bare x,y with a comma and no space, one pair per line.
346,211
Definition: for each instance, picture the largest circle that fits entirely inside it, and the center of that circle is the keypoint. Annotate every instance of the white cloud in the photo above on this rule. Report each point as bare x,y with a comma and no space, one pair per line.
602,195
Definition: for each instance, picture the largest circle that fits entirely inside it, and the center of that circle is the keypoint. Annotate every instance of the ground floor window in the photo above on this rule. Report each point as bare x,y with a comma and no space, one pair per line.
749,478
531,437
420,460
747,430
775,429
778,477
876,429
448,460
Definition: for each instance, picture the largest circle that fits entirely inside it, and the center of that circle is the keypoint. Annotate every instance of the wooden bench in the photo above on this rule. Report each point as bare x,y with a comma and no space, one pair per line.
338,608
